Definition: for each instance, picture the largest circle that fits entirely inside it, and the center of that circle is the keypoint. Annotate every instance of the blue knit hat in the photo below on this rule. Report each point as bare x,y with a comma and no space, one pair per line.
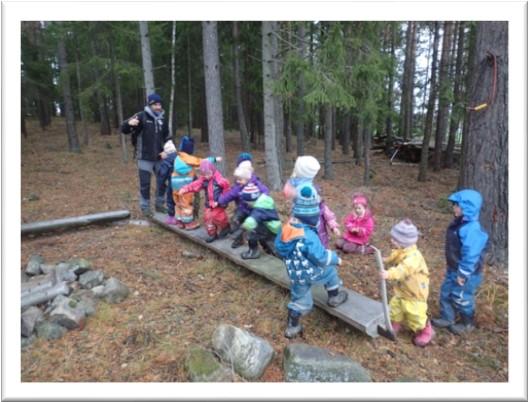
244,156
153,98
250,192
306,205
186,145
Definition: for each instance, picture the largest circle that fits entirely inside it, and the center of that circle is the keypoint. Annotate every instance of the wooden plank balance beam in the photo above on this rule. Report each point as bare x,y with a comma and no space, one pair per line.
359,311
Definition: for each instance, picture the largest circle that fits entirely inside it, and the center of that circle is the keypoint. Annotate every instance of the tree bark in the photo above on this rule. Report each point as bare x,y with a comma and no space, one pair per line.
173,80
146,56
244,135
82,107
328,168
189,88
443,93
406,108
346,134
277,99
390,92
213,91
270,128
457,109
366,153
119,103
485,166
424,159
299,120
73,141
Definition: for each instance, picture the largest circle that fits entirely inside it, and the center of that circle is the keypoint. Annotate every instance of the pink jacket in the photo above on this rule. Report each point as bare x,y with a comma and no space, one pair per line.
365,226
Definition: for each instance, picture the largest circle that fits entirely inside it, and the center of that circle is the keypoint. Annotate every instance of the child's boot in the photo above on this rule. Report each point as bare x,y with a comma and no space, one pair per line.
253,251
294,326
239,241
192,225
224,232
396,327
336,297
171,220
441,322
424,336
466,325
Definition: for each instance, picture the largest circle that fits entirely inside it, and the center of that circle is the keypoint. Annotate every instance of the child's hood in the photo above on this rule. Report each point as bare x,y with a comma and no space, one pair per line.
181,167
288,237
470,202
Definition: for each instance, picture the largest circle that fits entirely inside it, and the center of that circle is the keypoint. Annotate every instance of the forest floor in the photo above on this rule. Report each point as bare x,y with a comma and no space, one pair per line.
175,302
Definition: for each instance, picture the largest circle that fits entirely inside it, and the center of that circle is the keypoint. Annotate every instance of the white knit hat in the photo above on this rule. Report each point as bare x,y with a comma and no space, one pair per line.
244,170
306,166
405,233
169,147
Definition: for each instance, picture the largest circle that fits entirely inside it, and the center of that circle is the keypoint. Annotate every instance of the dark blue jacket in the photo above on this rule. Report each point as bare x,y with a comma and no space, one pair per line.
466,240
163,175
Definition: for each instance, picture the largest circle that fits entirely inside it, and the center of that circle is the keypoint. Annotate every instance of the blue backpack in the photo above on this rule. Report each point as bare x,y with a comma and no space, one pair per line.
186,145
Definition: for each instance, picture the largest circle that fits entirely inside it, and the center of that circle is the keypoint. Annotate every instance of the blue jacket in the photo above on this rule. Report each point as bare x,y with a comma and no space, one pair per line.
164,168
304,255
466,240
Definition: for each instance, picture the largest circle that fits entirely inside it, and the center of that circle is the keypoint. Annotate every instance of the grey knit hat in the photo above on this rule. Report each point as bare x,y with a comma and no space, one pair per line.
405,233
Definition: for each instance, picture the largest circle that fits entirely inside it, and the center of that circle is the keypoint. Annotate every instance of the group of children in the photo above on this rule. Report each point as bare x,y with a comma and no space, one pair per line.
303,241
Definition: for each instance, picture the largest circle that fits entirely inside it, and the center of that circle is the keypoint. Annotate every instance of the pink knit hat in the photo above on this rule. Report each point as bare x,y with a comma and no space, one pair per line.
360,199
207,167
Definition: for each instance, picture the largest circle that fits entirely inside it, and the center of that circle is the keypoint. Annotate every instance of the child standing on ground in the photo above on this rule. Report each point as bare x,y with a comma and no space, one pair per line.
465,250
304,172
163,175
213,184
262,223
307,261
359,226
407,268
244,174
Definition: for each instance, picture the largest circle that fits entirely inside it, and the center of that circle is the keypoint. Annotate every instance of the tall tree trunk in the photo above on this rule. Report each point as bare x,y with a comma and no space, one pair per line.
119,101
424,100
356,139
390,92
104,120
244,136
299,121
189,88
346,134
406,108
424,159
457,110
270,128
146,56
277,99
328,167
289,129
485,166
334,128
173,81
366,152
82,106
204,132
213,91
73,141
444,96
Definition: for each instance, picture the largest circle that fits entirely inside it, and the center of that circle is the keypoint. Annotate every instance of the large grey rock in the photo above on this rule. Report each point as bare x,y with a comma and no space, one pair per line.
33,265
50,330
91,279
64,272
115,291
305,363
203,366
47,268
248,354
24,277
30,318
98,291
86,300
68,314
80,265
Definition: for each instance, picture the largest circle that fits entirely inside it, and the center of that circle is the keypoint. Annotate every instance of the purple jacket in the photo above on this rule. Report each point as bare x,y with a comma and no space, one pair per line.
234,195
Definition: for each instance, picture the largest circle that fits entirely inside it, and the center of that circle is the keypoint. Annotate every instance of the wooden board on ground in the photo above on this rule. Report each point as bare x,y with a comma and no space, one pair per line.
358,311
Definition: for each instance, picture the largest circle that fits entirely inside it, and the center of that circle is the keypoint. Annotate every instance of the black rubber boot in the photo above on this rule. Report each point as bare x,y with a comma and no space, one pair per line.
250,254
224,232
211,239
160,208
336,297
239,241
294,327
441,323
465,326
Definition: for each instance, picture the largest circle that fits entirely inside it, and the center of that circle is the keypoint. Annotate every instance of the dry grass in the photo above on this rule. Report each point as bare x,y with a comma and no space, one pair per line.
176,302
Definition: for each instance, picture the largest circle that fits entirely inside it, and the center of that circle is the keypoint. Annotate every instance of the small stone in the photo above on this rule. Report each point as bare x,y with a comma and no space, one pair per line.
50,330
98,291
136,293
124,365
33,197
64,272
305,363
203,366
248,354
68,314
86,300
80,265
140,317
30,318
91,279
115,291
33,265
24,277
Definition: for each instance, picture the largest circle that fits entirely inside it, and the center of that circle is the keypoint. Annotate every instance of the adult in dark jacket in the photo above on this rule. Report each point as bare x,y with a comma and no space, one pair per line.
149,130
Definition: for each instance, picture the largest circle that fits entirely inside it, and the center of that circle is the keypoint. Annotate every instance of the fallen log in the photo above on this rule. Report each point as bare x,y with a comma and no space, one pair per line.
43,295
67,223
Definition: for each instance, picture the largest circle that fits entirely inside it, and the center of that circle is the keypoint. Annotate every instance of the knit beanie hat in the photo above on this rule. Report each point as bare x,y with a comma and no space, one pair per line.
360,199
306,166
153,98
306,205
244,156
244,170
405,233
169,147
250,192
186,145
206,166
